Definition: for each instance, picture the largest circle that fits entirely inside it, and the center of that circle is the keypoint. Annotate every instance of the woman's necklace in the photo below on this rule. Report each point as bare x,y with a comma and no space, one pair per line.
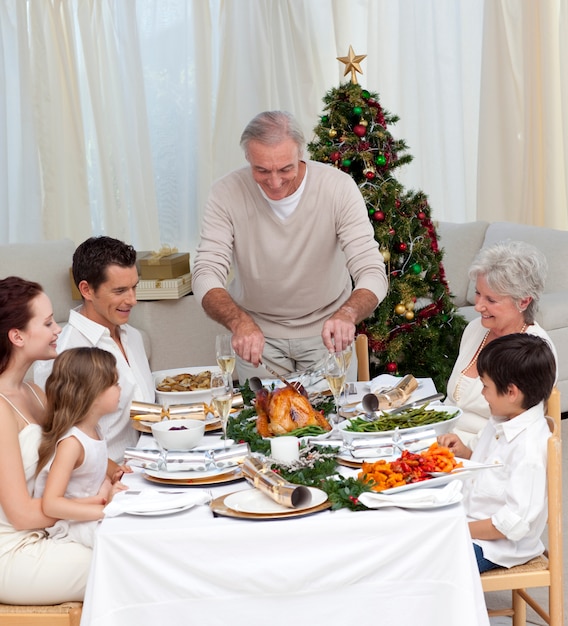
474,361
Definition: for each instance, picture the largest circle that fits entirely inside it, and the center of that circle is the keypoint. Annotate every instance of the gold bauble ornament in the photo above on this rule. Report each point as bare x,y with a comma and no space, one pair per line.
386,255
410,306
409,315
400,309
363,122
332,132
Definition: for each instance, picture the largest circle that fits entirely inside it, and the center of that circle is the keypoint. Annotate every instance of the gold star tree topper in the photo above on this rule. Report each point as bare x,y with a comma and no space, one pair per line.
352,61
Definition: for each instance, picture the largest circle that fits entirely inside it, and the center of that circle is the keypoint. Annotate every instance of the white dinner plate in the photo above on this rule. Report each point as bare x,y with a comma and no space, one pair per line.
161,512
168,398
254,501
190,474
424,499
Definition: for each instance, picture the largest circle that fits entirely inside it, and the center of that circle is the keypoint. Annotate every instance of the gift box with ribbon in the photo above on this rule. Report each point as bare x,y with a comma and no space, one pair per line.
163,264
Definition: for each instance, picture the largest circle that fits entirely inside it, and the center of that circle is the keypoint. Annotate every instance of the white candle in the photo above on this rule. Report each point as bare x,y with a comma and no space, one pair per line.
285,449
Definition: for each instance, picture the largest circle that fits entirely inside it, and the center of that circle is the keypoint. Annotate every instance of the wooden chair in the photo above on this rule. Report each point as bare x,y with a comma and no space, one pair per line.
362,352
546,570
65,614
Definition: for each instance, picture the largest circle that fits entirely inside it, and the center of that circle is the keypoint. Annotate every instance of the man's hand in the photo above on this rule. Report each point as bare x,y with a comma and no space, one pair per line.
248,340
338,331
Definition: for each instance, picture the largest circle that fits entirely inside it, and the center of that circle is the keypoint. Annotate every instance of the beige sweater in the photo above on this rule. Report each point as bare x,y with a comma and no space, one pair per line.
289,275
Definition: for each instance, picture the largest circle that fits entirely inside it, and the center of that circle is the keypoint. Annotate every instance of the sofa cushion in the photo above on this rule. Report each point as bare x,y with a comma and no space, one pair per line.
46,263
553,243
552,310
460,242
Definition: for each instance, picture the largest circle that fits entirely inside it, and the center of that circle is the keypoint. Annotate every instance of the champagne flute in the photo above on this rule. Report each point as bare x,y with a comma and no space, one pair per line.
225,354
335,375
347,356
222,398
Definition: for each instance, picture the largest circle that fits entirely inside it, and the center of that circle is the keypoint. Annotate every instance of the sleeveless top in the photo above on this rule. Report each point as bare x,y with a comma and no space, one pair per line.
86,479
29,438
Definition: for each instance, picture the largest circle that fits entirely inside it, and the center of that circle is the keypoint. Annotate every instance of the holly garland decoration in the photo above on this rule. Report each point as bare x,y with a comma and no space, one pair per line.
416,329
317,466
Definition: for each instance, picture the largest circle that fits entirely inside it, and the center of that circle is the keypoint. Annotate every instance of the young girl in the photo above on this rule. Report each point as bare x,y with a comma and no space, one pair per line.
72,466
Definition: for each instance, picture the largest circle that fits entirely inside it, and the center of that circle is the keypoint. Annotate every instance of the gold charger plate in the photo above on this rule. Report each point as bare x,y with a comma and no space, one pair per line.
218,507
348,463
232,475
143,428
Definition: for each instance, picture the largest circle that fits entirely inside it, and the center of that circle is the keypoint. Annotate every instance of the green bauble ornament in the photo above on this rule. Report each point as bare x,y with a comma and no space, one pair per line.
365,94
346,162
416,268
380,160
324,119
357,110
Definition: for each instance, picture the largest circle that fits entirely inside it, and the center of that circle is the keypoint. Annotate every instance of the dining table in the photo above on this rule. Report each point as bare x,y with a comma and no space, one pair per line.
194,567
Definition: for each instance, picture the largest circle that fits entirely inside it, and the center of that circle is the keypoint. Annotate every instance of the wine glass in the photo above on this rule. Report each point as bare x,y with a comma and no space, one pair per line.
225,354
222,398
335,375
347,356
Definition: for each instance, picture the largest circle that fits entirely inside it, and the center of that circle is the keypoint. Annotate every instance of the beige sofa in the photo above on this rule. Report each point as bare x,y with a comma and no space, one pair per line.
179,334
461,242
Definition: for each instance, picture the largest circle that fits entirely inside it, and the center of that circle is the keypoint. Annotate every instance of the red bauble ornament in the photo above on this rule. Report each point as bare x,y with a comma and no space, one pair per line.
335,156
391,231
360,130
402,246
397,203
379,216
421,215
370,175
391,367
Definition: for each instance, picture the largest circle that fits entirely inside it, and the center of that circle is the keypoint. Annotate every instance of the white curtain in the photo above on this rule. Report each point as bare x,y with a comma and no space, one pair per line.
523,146
116,116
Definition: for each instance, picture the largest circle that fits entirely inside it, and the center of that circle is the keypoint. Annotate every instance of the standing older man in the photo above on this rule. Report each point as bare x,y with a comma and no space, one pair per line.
104,270
306,265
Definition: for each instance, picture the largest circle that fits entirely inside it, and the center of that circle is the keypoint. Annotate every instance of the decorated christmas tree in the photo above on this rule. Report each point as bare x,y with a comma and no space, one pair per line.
416,329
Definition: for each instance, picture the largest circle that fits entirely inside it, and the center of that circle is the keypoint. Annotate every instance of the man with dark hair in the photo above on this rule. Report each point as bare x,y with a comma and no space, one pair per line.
104,270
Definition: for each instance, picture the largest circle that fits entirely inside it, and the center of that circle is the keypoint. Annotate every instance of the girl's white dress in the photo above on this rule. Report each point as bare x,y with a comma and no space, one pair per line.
86,480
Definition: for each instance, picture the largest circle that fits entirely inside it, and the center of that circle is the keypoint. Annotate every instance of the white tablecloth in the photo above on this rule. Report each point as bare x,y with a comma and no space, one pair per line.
389,566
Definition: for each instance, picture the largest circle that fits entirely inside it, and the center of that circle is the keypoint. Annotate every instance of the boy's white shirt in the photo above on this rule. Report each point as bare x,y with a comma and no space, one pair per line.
514,495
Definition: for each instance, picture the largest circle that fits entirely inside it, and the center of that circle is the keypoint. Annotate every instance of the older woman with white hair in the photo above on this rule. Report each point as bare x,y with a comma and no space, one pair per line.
509,279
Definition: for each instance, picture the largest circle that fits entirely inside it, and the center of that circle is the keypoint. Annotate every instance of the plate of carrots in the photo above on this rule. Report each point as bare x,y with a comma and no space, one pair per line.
413,471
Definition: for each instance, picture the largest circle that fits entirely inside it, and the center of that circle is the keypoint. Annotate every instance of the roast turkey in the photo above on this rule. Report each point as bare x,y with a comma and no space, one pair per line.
283,410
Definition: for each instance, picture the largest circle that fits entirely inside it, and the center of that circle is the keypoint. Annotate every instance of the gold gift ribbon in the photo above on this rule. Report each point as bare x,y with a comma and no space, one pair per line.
162,252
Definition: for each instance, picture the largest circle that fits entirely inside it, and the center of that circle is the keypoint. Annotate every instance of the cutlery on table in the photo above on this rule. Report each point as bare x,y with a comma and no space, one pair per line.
459,470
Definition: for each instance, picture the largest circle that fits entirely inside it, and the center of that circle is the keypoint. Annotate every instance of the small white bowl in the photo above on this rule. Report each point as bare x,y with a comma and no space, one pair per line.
178,434
167,398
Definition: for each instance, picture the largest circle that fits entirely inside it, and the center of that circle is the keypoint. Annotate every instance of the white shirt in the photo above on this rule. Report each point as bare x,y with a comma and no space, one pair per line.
134,375
285,207
514,496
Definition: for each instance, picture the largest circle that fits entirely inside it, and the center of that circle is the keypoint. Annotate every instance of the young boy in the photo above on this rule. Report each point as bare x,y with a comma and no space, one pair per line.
506,505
